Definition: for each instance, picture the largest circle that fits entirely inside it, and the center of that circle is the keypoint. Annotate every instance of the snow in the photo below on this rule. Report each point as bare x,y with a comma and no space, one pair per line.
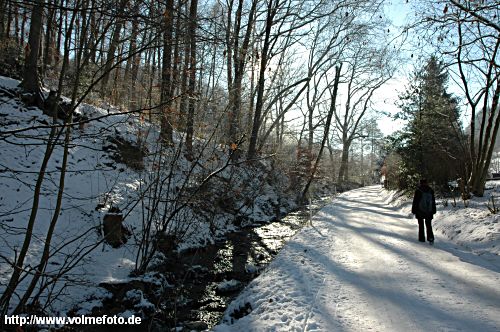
88,181
471,224
126,314
94,183
136,296
359,267
8,82
228,285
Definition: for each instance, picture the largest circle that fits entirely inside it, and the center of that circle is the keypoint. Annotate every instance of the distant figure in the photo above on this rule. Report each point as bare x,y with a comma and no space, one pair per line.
424,208
383,177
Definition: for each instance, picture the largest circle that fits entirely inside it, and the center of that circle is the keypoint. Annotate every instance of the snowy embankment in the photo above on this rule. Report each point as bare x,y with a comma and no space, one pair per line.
115,164
470,224
359,267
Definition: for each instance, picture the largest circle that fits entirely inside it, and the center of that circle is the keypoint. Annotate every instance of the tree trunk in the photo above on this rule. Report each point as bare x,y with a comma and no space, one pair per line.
136,61
344,164
31,78
166,130
176,52
487,148
248,125
239,61
332,157
9,20
252,147
3,12
23,26
48,48
192,75
183,103
110,59
128,83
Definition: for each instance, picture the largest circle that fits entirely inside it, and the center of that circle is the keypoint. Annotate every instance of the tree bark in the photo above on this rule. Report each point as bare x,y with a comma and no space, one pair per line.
239,60
110,58
488,147
192,76
252,147
184,102
48,45
31,76
344,163
136,61
176,52
3,12
166,130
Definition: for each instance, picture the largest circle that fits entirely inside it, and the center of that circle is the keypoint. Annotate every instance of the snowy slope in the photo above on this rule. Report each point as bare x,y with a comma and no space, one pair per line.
96,181
359,267
93,178
474,226
469,224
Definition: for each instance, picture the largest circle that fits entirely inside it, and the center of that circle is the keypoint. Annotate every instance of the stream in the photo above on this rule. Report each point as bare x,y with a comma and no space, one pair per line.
203,282
208,279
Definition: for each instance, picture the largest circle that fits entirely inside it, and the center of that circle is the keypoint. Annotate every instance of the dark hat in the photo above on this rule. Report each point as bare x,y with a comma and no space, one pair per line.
423,181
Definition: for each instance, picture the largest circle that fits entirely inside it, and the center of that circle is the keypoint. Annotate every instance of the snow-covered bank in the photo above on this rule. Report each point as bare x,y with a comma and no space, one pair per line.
100,178
359,267
469,224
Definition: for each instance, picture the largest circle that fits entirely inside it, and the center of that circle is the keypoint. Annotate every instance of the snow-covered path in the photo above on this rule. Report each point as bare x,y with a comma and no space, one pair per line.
360,268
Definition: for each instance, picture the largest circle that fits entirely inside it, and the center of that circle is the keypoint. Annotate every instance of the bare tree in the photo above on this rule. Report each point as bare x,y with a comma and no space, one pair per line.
467,36
113,46
19,268
333,102
166,74
59,136
290,20
367,69
193,14
237,50
31,77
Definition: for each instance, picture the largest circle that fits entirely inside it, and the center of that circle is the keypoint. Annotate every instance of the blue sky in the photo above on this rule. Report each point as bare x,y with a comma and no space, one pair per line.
397,11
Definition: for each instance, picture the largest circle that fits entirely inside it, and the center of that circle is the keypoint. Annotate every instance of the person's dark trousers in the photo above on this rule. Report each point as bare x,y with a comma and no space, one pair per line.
428,226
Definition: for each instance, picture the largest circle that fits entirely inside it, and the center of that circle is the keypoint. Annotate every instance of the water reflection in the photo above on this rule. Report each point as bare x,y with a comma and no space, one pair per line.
208,279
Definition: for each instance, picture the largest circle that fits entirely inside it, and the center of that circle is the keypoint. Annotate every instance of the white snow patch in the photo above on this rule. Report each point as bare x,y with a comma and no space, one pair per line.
228,285
8,82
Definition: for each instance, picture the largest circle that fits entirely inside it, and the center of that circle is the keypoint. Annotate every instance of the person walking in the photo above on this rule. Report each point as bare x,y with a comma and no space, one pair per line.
424,208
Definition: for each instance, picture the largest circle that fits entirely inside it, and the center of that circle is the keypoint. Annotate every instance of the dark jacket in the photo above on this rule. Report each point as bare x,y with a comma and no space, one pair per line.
416,200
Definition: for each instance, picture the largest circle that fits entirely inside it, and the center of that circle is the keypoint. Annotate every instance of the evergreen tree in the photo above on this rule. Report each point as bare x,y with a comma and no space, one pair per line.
431,145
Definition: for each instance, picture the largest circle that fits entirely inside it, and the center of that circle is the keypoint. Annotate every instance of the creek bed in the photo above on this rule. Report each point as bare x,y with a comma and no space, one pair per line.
201,282
209,278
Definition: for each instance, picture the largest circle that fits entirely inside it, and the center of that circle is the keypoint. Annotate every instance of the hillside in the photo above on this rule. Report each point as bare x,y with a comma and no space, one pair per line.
116,167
